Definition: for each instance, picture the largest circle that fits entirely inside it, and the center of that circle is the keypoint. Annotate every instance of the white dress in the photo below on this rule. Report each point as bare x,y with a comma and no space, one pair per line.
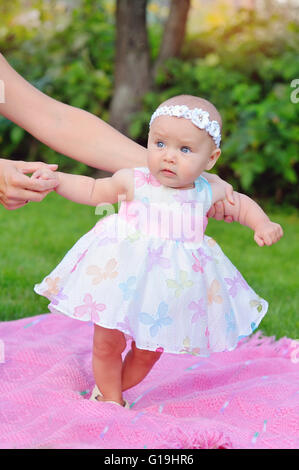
168,290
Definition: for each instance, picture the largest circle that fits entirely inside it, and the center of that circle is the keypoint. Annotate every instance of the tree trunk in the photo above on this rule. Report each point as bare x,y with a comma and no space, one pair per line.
174,32
132,66
133,77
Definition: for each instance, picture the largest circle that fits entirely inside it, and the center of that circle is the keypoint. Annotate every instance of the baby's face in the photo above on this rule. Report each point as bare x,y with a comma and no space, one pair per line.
178,152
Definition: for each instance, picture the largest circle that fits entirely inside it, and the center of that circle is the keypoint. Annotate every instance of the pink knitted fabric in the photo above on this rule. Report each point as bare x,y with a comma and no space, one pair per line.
246,398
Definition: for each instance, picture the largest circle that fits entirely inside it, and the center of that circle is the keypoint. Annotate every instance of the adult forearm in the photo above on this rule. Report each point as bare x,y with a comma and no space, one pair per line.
96,143
25,105
68,130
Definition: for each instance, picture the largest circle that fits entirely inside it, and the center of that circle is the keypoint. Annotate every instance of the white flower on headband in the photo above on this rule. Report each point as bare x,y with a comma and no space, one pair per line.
197,116
213,129
177,111
200,118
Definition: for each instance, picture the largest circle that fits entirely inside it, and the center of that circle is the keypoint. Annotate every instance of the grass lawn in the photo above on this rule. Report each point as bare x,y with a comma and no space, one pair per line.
36,237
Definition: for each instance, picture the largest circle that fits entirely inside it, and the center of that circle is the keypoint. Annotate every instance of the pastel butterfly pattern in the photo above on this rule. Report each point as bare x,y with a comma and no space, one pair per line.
106,240
187,349
143,178
155,258
213,293
205,258
199,309
201,261
161,319
180,285
230,321
128,287
207,335
100,274
197,265
211,242
60,296
256,303
236,282
89,307
80,258
53,288
183,198
133,237
125,325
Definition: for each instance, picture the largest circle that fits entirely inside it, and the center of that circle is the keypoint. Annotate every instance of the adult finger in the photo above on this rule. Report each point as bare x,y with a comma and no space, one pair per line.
230,194
211,212
219,210
24,182
14,204
22,196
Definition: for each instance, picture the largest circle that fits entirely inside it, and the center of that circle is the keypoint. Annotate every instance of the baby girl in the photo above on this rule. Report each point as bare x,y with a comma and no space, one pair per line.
167,293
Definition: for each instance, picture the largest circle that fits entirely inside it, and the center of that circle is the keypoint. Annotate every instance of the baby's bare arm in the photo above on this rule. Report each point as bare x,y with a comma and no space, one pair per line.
90,191
248,212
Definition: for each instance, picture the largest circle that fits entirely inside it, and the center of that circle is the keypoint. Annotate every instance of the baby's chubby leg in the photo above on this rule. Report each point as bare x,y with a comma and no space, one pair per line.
108,346
136,366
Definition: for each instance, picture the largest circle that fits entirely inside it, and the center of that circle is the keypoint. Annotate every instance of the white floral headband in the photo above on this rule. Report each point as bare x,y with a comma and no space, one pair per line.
197,116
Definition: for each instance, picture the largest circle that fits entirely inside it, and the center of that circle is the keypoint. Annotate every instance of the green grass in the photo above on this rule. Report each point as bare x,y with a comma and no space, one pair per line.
36,237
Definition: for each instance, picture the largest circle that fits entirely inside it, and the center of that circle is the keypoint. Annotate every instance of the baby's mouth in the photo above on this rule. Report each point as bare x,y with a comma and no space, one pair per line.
168,172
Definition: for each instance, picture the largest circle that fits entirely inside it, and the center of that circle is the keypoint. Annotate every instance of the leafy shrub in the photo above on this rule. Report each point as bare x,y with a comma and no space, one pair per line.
249,82
245,68
69,57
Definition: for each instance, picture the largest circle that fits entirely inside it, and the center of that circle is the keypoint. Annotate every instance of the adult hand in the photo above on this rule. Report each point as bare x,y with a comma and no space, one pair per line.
217,211
16,189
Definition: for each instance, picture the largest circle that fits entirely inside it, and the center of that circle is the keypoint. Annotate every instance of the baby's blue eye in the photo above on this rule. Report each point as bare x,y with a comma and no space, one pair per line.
185,149
160,144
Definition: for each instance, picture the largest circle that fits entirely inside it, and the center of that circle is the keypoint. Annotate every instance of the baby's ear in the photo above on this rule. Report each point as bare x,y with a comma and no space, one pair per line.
213,158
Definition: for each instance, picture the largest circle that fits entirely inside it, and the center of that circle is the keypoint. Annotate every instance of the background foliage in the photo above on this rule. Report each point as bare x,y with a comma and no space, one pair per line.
244,65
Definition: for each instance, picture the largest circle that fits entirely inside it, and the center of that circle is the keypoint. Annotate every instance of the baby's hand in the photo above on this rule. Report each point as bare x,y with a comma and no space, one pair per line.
45,174
267,233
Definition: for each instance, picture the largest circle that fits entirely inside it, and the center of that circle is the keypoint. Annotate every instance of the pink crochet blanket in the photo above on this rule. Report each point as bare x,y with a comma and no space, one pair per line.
247,398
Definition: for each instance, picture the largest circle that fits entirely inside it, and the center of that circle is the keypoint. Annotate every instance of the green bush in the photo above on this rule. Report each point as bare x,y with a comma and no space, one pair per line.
245,68
69,57
249,81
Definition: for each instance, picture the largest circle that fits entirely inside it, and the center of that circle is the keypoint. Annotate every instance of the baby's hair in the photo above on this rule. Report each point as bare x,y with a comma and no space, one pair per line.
195,102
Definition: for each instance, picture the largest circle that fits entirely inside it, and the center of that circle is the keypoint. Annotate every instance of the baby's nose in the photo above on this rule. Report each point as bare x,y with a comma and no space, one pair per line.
170,157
